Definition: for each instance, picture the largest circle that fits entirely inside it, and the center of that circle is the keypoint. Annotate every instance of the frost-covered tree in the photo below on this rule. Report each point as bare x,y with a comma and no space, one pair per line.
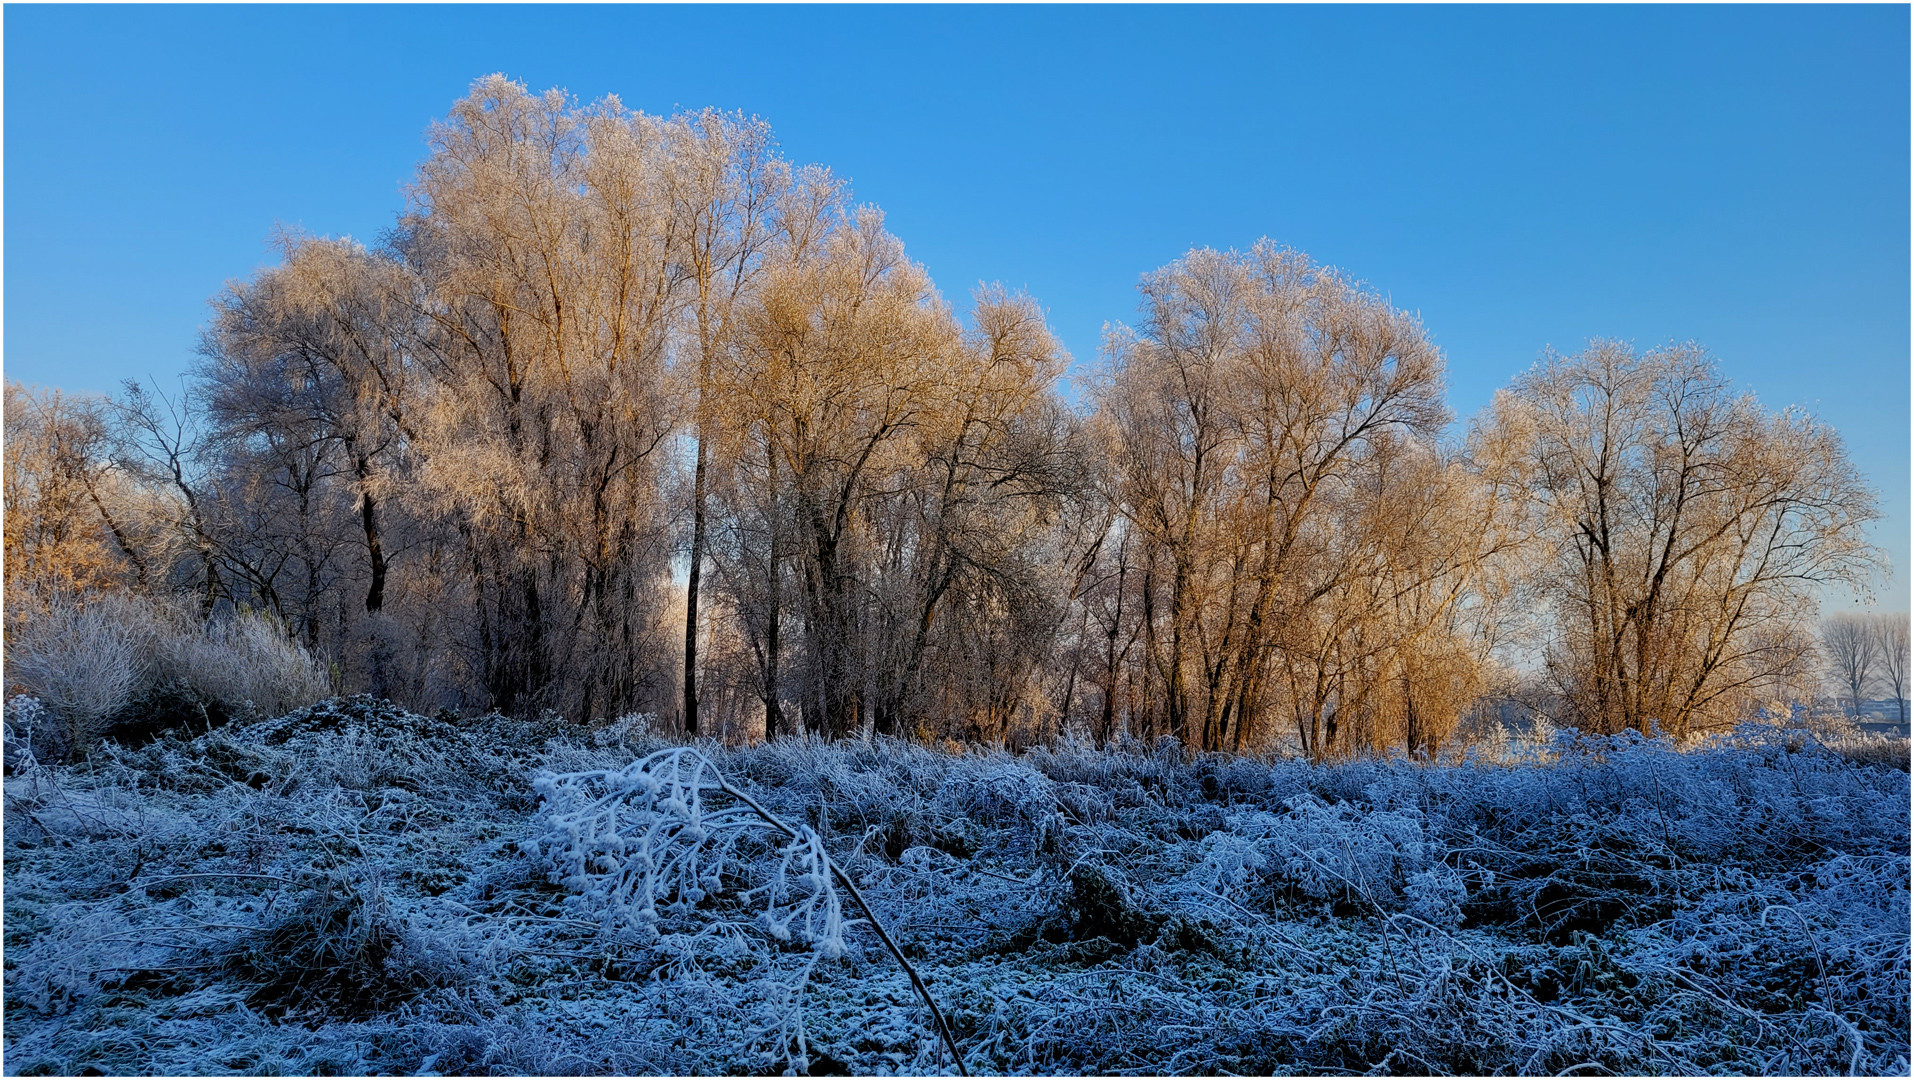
729,192
1687,531
1261,423
68,528
898,470
631,415
541,238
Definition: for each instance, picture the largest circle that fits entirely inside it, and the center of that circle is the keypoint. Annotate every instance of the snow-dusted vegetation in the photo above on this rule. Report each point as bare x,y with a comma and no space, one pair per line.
353,888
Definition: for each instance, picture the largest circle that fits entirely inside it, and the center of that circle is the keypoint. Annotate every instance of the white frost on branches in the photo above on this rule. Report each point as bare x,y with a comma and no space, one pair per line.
626,841
623,840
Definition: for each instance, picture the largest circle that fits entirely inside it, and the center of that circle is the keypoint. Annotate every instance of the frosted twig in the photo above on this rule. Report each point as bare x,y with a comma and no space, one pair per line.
661,859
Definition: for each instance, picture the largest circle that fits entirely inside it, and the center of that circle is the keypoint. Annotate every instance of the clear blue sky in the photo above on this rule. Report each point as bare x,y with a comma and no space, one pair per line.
1523,177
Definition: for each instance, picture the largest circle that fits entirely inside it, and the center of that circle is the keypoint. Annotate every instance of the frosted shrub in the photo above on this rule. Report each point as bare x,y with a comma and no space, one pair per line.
82,662
1232,858
627,729
1000,793
26,717
1009,795
1380,857
247,664
341,950
625,840
1228,863
118,656
1436,895
1339,850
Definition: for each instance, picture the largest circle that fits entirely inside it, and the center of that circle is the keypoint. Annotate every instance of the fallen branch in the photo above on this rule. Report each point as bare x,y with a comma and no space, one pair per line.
916,981
589,853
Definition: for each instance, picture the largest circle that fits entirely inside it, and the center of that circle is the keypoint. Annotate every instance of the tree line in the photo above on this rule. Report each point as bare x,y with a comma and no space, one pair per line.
629,414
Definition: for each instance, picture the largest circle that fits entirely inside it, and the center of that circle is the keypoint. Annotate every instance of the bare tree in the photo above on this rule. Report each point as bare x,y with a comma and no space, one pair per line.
1253,418
1891,651
845,345
1852,652
901,471
726,194
965,552
1687,529
318,342
161,442
314,397
542,238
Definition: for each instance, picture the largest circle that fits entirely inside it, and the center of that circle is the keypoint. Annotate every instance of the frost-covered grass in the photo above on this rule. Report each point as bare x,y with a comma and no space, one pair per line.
355,889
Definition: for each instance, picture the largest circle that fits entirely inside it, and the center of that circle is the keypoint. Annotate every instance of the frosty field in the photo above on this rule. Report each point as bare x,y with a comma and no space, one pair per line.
355,889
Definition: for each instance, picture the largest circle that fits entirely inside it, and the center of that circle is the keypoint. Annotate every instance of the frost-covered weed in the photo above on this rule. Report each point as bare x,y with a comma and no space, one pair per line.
1339,850
82,663
1232,857
622,840
246,663
117,659
1598,906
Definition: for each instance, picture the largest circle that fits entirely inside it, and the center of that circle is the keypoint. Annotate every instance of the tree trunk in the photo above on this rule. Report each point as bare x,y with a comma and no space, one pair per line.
691,589
375,543
773,714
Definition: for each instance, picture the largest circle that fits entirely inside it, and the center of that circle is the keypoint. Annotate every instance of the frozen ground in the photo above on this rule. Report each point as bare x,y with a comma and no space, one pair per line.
354,889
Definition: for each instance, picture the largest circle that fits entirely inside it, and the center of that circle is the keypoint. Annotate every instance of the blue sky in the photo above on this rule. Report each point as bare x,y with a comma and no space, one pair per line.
1522,177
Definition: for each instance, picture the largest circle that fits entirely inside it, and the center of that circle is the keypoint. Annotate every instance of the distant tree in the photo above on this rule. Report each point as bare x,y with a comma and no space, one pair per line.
1891,650
1687,530
317,344
313,394
1852,650
160,442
